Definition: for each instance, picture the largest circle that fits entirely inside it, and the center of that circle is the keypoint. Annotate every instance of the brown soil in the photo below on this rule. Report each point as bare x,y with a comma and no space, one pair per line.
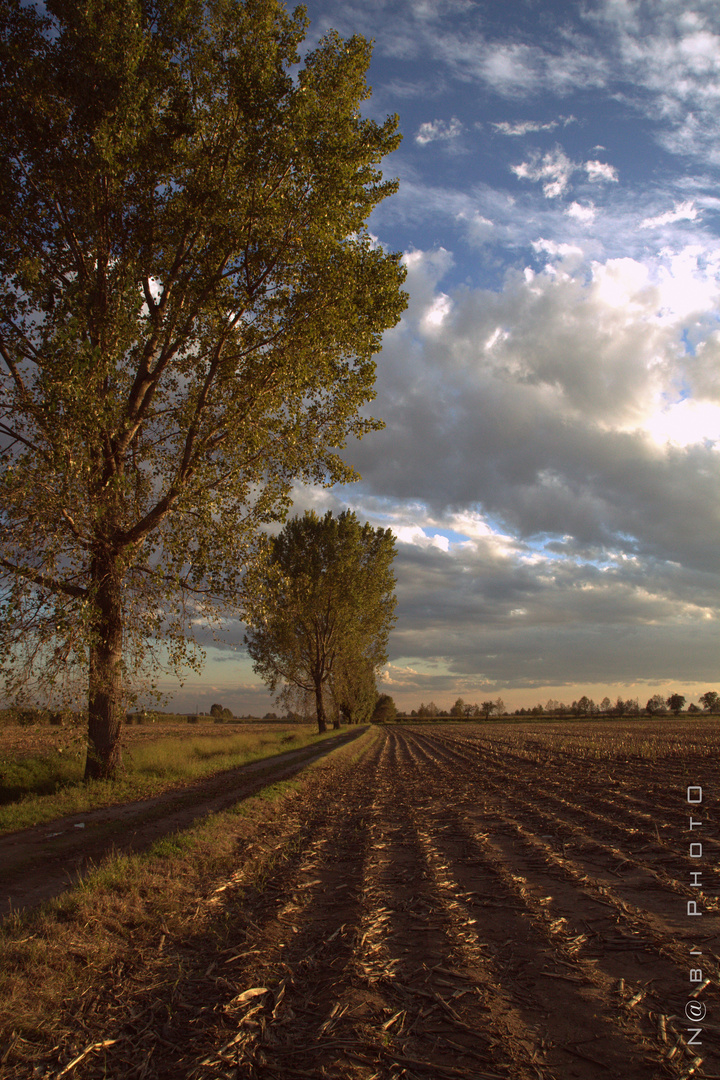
451,905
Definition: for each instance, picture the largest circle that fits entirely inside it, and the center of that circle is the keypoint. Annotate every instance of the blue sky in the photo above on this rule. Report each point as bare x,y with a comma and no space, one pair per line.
551,458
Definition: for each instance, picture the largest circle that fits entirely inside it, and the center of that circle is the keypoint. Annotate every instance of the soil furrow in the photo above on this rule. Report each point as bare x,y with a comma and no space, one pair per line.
577,902
559,818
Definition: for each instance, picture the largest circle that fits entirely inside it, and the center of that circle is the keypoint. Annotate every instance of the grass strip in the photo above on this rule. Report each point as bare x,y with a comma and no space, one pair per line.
45,787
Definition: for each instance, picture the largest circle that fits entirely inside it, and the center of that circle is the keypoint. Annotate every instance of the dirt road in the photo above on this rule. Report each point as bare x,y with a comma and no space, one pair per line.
452,905
43,861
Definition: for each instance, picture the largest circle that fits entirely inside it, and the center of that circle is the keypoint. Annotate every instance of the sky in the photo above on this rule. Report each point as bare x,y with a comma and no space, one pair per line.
551,455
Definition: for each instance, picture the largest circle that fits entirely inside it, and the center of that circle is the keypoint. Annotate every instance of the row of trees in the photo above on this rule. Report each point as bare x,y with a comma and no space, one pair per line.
657,705
321,609
585,706
190,303
461,710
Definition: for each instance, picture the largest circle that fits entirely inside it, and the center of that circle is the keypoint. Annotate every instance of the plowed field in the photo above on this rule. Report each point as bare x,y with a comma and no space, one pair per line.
460,902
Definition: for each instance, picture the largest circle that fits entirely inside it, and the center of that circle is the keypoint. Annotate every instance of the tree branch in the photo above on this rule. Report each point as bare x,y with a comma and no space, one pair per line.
47,583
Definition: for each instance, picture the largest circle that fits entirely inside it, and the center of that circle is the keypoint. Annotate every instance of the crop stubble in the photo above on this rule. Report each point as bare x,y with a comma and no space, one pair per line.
456,903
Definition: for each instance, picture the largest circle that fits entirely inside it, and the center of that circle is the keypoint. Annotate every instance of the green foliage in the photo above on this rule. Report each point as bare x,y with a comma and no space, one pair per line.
354,689
384,710
189,307
322,608
675,703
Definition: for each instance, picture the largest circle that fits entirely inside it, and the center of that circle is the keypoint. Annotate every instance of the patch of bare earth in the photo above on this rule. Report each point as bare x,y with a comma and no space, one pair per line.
447,906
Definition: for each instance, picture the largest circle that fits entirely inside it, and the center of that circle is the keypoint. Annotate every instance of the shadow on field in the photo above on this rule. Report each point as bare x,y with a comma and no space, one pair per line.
43,861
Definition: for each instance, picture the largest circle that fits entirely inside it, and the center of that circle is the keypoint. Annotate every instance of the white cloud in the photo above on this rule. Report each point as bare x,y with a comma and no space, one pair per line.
525,127
414,535
624,285
434,264
685,423
542,404
584,214
515,69
599,172
669,60
654,58
434,130
554,168
480,230
436,314
569,254
685,211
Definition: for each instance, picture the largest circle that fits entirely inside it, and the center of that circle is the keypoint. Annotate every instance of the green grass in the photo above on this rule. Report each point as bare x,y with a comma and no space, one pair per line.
41,774
39,788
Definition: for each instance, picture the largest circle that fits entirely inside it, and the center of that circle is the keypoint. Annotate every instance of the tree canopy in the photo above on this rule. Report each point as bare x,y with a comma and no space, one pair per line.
385,709
675,703
322,607
189,307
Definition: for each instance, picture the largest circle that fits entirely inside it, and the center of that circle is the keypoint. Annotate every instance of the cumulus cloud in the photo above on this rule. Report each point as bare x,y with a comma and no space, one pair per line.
540,404
438,130
553,493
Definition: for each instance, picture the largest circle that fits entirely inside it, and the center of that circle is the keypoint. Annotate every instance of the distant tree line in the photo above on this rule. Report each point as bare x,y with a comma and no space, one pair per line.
461,710
657,705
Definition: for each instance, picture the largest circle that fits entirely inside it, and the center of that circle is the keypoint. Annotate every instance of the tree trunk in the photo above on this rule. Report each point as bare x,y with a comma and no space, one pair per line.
105,700
320,707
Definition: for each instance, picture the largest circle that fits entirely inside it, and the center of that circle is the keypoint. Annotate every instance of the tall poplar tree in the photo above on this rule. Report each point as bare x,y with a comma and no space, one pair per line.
323,609
189,307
